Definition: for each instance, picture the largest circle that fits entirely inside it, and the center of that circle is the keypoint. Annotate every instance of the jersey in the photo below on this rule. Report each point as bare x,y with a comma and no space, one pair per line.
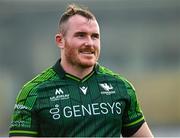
56,103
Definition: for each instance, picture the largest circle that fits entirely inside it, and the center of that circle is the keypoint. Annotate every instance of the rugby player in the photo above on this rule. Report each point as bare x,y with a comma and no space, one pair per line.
77,97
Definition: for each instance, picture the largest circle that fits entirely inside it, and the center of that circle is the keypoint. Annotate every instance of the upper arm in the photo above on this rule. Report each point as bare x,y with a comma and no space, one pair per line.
24,120
134,122
133,117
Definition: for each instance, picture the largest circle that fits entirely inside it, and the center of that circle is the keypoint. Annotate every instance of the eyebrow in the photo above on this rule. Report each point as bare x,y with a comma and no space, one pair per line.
80,32
84,33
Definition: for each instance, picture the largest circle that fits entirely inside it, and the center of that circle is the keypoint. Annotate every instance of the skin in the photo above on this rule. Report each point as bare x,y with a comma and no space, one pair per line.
80,50
143,131
80,46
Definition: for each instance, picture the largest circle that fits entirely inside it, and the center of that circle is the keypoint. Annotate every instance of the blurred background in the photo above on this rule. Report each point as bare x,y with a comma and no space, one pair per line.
140,39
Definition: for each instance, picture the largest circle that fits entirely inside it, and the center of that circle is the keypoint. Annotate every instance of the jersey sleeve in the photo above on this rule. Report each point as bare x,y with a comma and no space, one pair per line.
24,119
133,117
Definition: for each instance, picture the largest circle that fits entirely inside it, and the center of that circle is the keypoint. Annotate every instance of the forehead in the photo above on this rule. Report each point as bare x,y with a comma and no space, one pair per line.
80,23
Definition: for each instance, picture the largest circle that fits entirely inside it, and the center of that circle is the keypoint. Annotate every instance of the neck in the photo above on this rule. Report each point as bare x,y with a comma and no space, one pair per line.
75,70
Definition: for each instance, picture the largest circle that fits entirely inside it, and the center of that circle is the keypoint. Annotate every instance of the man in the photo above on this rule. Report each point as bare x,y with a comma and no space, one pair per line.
77,96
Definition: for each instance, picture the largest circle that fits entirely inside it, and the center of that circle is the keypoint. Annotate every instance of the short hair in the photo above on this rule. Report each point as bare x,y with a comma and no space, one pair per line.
71,10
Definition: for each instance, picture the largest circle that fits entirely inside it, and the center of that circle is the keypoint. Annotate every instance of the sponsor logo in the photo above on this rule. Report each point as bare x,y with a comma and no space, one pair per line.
17,123
84,89
59,95
59,91
20,107
108,89
92,109
55,112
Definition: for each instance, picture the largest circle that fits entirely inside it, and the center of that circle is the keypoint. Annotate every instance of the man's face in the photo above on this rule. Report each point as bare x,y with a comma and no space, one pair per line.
81,45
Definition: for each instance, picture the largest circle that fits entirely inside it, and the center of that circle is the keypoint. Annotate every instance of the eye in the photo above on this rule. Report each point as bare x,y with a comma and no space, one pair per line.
80,34
95,36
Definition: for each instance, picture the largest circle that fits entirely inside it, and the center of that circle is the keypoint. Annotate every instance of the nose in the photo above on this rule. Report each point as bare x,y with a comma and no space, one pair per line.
89,41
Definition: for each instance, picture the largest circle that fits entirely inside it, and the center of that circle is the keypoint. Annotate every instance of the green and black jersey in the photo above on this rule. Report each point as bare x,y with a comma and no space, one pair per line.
56,103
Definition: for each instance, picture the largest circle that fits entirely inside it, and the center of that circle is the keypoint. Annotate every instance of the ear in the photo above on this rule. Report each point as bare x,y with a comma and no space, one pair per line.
59,40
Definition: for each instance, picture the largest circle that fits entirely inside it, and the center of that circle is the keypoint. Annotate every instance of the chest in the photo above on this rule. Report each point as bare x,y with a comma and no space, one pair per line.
61,104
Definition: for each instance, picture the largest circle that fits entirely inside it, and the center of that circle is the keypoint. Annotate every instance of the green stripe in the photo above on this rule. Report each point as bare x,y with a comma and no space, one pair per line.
88,76
77,79
23,131
26,89
29,86
74,78
133,123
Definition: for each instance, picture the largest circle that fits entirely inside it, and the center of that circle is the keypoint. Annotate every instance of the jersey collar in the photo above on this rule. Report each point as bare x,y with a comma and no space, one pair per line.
58,69
62,74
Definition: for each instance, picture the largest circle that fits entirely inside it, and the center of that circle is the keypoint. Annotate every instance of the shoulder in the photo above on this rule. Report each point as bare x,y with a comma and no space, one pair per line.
108,72
31,87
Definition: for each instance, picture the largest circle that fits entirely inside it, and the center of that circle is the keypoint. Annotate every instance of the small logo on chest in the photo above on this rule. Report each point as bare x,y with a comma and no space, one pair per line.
84,89
59,95
108,89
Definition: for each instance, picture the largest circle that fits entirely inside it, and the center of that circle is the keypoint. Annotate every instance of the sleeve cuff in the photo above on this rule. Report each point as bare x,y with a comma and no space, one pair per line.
130,129
22,133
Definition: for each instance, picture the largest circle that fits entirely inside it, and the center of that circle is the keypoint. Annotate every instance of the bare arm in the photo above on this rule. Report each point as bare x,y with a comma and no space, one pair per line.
143,131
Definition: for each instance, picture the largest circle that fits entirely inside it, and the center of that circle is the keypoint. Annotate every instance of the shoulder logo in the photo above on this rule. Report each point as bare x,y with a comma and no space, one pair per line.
59,95
84,89
108,89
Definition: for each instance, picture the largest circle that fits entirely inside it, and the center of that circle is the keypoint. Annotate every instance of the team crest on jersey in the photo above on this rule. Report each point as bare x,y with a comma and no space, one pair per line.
59,95
108,89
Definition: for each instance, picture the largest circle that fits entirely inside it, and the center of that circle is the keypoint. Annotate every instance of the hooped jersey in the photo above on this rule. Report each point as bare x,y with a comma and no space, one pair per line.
56,103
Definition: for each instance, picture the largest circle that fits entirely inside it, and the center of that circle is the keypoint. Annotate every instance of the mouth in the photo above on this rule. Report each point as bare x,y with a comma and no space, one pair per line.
87,51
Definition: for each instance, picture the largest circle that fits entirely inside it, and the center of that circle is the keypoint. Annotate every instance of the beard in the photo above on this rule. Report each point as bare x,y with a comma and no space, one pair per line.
74,56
